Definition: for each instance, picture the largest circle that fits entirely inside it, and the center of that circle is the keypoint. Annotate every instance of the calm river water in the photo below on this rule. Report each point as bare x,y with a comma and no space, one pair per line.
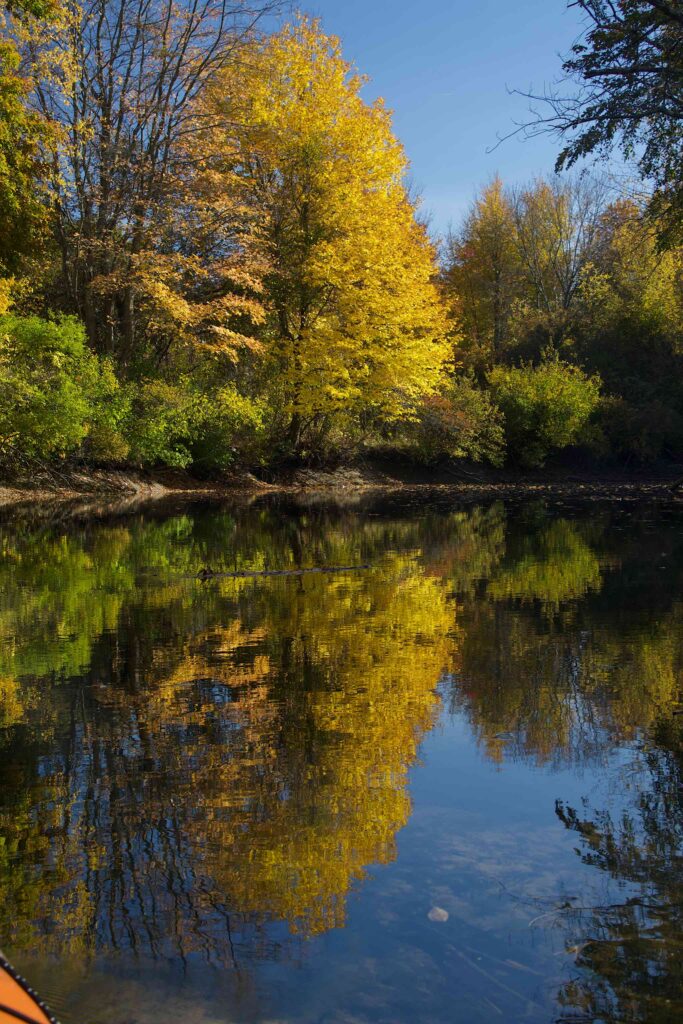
445,788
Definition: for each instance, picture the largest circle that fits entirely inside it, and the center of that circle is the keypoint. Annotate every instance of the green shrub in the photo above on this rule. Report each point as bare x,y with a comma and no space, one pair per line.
106,444
110,409
46,371
546,407
461,422
643,431
180,425
228,426
161,428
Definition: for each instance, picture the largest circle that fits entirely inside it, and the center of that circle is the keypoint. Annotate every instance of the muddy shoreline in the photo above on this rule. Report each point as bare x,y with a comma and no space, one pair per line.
109,491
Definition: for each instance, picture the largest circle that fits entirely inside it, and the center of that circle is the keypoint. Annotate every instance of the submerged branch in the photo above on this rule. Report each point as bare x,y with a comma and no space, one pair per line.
210,574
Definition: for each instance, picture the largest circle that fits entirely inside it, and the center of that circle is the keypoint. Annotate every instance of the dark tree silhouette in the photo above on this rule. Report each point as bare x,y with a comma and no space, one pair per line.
628,69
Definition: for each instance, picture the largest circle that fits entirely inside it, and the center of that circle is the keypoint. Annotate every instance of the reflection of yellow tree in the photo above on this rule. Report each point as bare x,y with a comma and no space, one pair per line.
11,705
338,687
42,886
373,650
252,734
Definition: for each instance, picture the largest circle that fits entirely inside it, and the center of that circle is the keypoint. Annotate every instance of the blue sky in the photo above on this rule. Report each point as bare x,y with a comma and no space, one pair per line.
444,66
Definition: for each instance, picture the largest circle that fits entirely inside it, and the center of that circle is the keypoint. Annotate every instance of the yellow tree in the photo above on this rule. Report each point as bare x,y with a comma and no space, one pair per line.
482,274
22,135
631,279
356,326
557,226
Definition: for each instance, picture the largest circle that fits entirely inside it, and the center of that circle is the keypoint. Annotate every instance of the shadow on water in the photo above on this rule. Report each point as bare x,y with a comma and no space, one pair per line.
206,784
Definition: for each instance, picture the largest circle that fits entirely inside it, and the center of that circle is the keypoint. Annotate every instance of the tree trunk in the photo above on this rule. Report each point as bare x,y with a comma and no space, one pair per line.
128,323
294,432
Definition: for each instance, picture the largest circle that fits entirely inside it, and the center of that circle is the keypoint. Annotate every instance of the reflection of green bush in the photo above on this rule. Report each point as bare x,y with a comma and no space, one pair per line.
58,595
60,592
553,565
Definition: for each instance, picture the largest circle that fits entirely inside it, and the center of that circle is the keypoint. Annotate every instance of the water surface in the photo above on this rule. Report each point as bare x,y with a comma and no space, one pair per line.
441,789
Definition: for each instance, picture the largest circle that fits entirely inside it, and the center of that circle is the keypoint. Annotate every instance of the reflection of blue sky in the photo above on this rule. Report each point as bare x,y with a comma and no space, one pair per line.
484,843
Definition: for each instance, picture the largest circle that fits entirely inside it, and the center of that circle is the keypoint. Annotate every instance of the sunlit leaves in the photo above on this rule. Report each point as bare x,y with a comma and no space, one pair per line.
356,324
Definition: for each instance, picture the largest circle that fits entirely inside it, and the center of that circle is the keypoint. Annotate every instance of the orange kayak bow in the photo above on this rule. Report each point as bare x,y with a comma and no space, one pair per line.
18,1002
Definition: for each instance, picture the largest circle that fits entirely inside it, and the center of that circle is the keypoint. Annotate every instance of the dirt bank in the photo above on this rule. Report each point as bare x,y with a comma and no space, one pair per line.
52,485
121,488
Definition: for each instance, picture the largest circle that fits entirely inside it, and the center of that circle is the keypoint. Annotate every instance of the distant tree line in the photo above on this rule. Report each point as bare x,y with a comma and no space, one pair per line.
571,319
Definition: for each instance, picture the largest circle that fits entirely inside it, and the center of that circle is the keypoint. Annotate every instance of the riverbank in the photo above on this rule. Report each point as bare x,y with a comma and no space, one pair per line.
131,488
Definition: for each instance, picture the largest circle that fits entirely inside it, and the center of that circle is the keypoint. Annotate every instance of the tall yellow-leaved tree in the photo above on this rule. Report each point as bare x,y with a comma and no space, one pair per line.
356,324
483,274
